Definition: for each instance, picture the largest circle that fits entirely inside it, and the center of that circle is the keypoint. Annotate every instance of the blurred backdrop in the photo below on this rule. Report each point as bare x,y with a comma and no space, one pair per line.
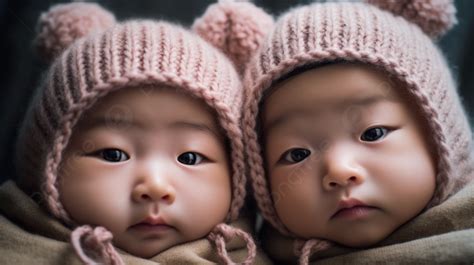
21,70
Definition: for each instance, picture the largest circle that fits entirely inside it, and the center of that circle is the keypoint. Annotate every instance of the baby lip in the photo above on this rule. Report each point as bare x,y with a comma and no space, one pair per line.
152,221
347,204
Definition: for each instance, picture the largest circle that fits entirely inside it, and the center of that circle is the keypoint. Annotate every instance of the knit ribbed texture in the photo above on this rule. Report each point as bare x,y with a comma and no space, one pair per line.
362,33
235,28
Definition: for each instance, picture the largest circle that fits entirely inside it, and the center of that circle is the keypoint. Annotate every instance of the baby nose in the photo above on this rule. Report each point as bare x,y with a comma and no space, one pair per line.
331,182
342,170
154,189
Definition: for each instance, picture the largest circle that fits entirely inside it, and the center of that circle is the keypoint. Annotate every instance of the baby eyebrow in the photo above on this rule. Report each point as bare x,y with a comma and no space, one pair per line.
197,126
112,122
119,122
343,104
365,101
295,113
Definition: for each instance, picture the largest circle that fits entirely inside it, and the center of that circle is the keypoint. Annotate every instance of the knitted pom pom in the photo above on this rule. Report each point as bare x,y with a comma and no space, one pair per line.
434,17
237,28
65,23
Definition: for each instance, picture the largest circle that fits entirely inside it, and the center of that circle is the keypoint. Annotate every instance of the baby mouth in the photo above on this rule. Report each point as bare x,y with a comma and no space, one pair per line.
352,209
152,224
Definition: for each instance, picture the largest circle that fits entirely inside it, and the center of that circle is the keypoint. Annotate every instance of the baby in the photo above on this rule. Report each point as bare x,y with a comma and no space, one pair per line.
353,126
134,139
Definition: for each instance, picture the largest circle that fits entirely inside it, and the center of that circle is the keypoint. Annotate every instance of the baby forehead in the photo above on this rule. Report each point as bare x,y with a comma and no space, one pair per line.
311,94
336,82
335,97
144,108
329,113
344,79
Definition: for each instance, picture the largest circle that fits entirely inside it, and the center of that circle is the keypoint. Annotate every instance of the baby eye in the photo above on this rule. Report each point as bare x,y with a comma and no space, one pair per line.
296,155
374,134
190,158
113,155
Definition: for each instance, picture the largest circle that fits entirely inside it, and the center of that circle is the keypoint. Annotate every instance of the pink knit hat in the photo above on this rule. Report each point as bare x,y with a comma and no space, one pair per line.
94,56
394,35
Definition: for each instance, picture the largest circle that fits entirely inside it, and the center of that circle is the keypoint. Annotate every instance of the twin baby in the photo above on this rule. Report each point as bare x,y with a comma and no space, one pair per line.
140,141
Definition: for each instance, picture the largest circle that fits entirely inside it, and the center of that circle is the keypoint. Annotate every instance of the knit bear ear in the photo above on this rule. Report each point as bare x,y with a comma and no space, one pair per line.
62,24
236,28
434,17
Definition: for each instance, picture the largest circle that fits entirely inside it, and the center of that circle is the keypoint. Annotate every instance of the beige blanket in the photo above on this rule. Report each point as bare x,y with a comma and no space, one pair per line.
28,235
442,235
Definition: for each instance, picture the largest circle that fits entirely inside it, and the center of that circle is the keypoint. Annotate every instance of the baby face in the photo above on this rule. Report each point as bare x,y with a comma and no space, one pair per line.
346,157
150,165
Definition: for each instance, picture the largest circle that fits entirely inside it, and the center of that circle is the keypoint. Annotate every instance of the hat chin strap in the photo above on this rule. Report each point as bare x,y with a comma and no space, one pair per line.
97,242
305,248
222,233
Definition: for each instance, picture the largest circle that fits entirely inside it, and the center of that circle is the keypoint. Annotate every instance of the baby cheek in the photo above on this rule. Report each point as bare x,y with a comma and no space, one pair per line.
94,199
95,203
203,202
295,194
405,166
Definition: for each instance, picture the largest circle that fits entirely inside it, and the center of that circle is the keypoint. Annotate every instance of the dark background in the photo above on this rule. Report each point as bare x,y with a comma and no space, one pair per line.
21,70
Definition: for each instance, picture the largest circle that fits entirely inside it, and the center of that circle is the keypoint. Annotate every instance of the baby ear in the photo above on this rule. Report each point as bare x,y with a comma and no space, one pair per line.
62,24
236,28
434,17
